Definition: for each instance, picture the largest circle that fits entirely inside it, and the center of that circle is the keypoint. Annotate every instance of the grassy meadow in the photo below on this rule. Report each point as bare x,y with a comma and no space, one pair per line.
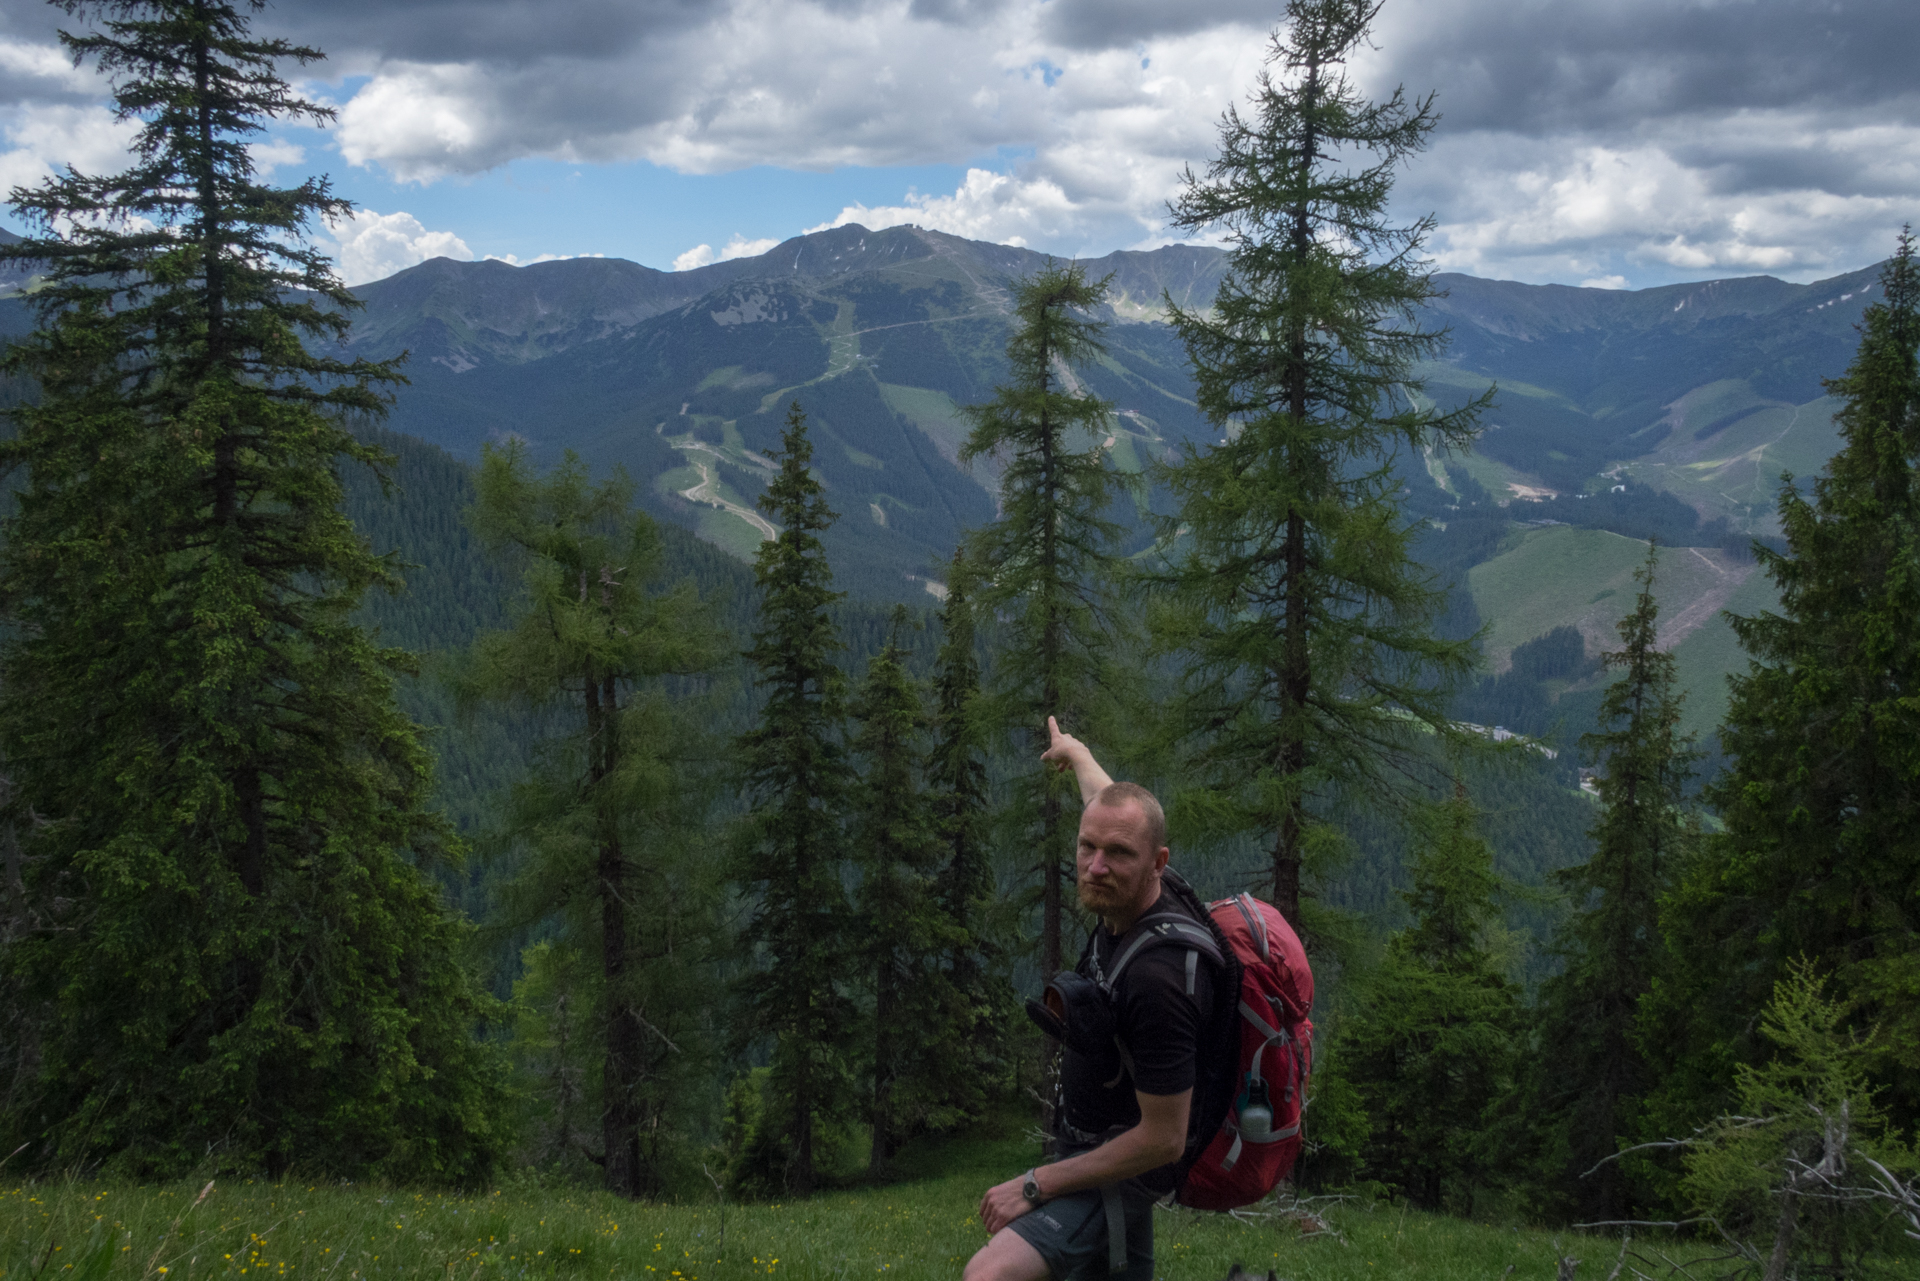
921,1227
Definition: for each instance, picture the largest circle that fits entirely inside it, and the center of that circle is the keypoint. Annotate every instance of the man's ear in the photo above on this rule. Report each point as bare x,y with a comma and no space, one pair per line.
1160,858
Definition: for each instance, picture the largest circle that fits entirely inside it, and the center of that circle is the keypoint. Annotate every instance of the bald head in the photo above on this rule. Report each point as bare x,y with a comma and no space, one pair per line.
1117,794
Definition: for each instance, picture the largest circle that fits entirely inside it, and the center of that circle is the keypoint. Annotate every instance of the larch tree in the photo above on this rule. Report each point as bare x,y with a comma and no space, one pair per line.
793,848
1289,597
1820,858
1803,1175
1046,566
607,830
1590,1073
237,953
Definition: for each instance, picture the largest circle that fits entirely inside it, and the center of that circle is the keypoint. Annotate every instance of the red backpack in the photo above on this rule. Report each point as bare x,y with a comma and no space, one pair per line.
1255,1083
1259,1138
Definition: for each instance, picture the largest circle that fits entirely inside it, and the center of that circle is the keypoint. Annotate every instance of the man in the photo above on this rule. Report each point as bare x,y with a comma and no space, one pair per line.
1123,1121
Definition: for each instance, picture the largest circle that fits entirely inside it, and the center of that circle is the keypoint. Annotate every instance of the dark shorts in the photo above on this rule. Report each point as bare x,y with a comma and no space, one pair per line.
1070,1233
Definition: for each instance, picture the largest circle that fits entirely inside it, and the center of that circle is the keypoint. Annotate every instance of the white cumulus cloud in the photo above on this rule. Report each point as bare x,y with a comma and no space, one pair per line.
738,247
420,122
1558,209
45,137
1101,135
371,246
1580,141
35,70
274,154
987,206
515,260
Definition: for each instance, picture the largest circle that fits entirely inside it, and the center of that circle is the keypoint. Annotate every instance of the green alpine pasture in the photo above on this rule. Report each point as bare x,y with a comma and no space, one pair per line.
922,1227
1560,575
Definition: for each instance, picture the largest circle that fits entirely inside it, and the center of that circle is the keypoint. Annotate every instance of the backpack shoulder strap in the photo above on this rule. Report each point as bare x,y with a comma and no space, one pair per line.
1166,928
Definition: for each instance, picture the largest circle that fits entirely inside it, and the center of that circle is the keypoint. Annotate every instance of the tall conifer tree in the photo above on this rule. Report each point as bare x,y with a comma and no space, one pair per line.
793,847
1291,596
1431,1049
905,931
975,1041
957,771
1046,566
1590,1072
1821,854
238,953
608,826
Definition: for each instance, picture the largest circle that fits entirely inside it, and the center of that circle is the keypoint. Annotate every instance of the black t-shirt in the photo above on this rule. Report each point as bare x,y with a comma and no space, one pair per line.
1160,1023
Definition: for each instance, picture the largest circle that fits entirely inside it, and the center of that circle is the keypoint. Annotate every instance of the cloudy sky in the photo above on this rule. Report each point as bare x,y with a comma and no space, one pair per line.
1603,142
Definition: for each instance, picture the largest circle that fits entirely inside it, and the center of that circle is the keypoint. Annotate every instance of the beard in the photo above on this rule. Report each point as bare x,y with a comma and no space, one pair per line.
1097,896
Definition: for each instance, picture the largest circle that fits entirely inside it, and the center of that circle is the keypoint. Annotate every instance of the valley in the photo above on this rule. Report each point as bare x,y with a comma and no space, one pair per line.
1669,412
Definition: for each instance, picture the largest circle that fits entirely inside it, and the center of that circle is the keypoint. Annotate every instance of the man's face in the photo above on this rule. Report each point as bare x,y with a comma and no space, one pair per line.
1116,870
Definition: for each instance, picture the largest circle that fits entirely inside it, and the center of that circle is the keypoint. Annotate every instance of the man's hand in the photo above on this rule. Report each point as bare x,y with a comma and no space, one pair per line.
1160,1138
1067,752
1002,1204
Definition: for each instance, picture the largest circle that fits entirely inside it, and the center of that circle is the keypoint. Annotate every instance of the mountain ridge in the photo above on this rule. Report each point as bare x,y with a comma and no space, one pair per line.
464,314
1669,410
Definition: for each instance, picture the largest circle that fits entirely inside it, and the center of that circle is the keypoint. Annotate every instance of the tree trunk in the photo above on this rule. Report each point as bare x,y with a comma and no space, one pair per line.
619,1129
1296,672
252,862
1052,890
619,1135
1051,643
884,1034
1052,885
249,789
1783,1238
800,1173
1296,678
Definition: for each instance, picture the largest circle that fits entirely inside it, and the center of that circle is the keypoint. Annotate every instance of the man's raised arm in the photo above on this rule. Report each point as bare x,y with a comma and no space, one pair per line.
1068,752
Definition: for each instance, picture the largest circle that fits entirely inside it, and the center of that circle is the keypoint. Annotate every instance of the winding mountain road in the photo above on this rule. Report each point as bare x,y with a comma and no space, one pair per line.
707,492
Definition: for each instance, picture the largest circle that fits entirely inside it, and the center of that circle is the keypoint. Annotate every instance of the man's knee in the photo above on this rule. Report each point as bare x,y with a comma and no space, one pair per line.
1008,1257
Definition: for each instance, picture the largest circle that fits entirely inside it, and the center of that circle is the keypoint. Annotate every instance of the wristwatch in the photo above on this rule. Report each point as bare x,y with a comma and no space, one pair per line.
1030,1189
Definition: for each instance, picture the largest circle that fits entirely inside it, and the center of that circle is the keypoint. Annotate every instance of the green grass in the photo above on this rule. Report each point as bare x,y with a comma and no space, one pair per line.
727,532
1734,472
1704,658
1584,578
1496,477
933,412
1547,577
922,1227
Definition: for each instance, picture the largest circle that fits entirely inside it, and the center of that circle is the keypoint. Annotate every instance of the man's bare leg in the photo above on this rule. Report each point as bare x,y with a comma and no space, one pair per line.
1007,1257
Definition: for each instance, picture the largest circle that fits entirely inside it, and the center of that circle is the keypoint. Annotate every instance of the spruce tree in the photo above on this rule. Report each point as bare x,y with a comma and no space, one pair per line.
905,933
793,845
1431,1049
957,772
1821,854
1046,566
607,831
976,1043
1290,596
1589,1072
226,817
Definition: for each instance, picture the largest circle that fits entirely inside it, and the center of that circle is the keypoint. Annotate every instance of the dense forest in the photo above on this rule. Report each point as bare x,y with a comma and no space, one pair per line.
373,814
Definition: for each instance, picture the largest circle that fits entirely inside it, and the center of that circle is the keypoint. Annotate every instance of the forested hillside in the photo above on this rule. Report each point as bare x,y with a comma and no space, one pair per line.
591,726
1666,412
